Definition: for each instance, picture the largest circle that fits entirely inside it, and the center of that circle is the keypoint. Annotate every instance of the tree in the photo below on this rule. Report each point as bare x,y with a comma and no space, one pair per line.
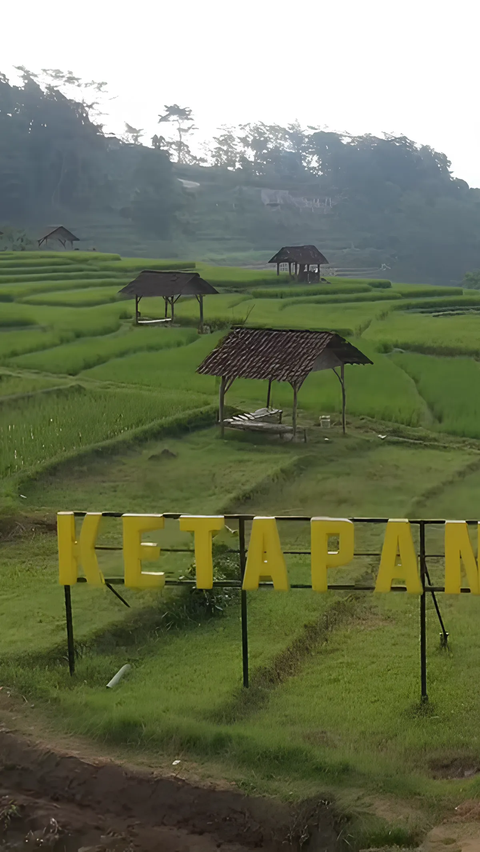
132,135
182,118
156,198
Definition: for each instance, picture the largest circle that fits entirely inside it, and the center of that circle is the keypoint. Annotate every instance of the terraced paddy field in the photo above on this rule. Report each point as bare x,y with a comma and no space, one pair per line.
99,415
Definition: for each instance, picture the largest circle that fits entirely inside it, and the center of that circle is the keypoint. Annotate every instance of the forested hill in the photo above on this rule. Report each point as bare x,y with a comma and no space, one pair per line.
365,201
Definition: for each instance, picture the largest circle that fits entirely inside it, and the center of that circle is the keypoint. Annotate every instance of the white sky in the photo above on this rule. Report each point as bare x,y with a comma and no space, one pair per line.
403,66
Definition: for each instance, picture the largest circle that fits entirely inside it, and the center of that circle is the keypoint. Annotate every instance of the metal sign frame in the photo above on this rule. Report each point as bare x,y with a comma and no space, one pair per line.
427,586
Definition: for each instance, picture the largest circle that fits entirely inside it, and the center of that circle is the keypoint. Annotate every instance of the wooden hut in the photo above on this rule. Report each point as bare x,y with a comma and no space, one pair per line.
169,286
300,259
280,355
61,235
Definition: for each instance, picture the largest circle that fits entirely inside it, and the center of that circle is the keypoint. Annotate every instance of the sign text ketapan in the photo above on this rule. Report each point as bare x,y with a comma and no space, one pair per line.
265,559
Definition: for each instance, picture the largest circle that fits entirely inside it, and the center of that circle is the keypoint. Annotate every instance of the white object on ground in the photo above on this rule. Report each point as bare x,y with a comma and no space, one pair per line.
117,678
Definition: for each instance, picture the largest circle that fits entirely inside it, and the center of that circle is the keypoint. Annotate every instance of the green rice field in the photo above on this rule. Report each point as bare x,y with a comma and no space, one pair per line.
97,414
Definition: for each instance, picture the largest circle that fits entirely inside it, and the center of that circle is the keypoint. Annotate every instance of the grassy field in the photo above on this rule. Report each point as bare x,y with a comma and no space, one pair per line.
333,707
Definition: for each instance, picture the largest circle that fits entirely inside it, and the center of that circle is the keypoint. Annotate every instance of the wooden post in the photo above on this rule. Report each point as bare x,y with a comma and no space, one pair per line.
173,308
269,392
200,300
294,413
344,400
136,310
290,268
278,269
221,401
165,299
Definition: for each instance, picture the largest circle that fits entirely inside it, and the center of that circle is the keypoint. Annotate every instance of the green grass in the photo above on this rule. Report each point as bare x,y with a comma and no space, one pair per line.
376,296
451,388
88,296
26,258
49,426
87,352
341,717
428,290
14,383
436,335
167,368
311,290
235,278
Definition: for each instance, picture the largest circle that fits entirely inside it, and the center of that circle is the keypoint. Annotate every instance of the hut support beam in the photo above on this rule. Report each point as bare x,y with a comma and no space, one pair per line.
341,379
137,312
278,269
294,412
200,302
221,405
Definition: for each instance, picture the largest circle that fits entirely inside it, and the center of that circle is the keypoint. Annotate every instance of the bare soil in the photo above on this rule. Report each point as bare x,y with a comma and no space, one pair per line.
67,803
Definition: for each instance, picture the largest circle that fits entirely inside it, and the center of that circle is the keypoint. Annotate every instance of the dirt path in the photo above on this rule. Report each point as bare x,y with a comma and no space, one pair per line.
65,802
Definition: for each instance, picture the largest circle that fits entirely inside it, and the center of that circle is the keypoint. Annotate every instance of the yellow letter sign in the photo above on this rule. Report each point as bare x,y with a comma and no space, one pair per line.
458,549
203,527
73,553
134,551
398,542
265,558
323,558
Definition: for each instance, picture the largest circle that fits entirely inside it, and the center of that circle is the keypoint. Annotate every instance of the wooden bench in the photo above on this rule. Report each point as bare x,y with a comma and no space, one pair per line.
257,421
154,321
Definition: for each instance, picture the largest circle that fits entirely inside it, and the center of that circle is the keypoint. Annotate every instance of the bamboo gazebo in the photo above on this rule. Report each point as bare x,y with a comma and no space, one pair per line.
280,355
169,286
61,235
300,259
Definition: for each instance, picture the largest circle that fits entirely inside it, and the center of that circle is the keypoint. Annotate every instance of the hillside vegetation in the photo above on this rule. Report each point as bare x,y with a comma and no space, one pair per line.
366,201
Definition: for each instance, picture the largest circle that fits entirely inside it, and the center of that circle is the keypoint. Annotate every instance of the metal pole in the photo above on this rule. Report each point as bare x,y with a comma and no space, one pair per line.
423,617
243,596
269,392
69,620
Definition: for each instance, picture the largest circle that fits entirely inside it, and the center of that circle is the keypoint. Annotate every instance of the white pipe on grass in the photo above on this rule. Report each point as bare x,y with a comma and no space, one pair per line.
117,678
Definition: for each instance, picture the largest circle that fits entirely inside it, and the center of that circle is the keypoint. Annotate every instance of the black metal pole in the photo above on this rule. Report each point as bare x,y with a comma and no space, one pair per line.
243,598
444,634
69,620
423,617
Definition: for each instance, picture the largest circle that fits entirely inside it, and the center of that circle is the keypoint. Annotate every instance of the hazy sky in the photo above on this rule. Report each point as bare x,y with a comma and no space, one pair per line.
357,65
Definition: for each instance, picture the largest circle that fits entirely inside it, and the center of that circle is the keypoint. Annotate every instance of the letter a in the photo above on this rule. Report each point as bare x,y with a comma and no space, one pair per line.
265,557
398,542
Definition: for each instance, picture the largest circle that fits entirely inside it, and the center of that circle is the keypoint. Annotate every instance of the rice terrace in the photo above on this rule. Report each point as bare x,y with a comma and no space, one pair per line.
267,712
